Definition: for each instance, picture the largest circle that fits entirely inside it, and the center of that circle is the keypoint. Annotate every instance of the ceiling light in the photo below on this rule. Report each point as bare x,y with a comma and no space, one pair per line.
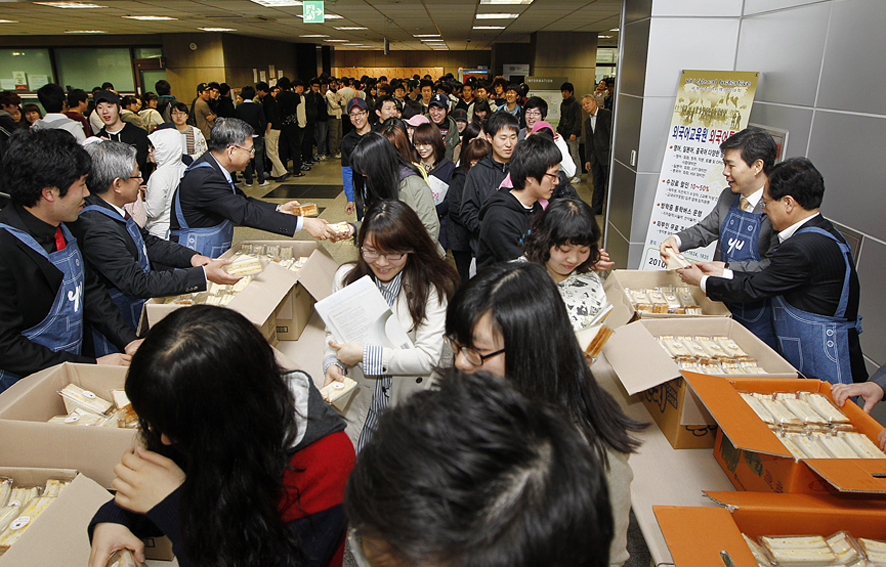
496,16
85,31
335,40
69,5
8,22
427,35
315,35
502,2
326,16
150,18
489,27
278,3
351,28
432,40
614,29
216,29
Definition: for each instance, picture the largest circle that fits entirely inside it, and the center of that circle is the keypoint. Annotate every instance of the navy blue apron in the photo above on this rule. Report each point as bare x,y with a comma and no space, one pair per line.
818,345
130,306
212,241
739,237
62,328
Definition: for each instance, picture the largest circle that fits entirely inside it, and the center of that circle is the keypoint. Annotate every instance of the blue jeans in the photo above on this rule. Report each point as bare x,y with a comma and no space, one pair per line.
321,130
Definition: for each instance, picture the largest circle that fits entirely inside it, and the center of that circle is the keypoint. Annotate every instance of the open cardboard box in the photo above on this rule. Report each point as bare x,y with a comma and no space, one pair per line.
623,310
28,441
755,460
644,367
58,536
696,536
278,301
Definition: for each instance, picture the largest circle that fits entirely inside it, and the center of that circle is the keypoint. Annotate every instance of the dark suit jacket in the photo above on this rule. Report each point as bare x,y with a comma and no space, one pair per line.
111,253
28,286
597,141
708,230
207,200
808,270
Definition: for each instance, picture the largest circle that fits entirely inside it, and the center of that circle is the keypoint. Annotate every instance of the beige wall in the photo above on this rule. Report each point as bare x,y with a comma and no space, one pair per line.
449,61
243,54
186,67
566,54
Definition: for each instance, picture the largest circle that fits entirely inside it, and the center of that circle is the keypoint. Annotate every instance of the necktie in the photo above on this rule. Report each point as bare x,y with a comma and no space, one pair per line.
59,239
126,215
745,205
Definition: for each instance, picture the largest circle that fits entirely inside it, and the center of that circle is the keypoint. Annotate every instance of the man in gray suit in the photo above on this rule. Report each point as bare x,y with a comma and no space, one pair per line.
745,238
598,136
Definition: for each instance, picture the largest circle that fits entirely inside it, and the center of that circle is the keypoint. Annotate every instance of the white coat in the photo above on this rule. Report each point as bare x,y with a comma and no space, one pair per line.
164,181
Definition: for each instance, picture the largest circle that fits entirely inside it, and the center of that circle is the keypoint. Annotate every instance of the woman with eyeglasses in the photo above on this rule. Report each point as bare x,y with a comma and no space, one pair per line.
402,260
510,321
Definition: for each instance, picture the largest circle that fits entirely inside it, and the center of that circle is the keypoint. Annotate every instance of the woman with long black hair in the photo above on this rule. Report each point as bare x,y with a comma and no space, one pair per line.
243,465
381,174
510,320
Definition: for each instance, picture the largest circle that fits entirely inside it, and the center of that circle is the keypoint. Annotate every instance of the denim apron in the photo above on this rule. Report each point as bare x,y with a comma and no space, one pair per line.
130,307
739,235
818,345
212,241
62,329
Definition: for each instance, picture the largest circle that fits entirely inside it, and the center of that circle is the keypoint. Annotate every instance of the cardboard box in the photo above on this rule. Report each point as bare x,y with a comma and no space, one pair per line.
278,301
696,536
645,368
28,441
755,460
623,311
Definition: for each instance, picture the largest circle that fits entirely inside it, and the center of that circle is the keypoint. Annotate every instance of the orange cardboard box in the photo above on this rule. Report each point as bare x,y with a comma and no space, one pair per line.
623,311
755,460
697,536
644,368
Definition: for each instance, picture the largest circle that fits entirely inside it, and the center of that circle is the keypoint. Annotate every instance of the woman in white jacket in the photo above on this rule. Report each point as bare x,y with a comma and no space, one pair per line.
166,152
401,259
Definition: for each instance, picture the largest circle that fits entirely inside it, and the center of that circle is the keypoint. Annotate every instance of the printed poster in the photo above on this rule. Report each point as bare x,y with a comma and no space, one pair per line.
710,107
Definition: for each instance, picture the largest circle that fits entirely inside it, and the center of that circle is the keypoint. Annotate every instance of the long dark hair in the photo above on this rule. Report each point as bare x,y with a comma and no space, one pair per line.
394,131
378,160
542,356
476,149
395,227
566,221
206,379
474,129
430,134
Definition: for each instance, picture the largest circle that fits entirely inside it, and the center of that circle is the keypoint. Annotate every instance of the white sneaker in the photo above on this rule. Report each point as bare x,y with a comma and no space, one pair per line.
576,179
264,183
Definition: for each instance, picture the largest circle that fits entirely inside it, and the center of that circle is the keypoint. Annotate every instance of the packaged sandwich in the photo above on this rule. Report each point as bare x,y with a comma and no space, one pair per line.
77,397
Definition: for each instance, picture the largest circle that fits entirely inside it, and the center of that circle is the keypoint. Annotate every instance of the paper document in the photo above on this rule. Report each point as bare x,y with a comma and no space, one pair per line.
359,314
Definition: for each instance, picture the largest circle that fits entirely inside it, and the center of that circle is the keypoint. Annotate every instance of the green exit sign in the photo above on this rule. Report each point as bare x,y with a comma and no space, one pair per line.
313,12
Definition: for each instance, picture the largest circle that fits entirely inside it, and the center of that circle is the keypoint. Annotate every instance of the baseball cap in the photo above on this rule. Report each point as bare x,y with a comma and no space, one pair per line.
106,96
440,100
358,102
459,115
418,120
202,87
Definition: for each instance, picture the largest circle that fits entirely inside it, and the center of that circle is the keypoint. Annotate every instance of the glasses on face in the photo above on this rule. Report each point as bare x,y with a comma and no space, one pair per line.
136,176
250,150
374,255
472,355
555,177
357,114
534,113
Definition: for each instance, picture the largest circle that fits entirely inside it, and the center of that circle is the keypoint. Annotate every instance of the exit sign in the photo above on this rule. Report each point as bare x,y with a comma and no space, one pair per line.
313,12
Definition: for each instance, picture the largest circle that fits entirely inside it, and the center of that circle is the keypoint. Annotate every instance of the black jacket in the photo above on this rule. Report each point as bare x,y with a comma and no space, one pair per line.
28,286
504,222
111,253
597,141
254,115
207,200
570,118
288,103
458,237
312,105
134,136
272,111
808,270
483,180
225,107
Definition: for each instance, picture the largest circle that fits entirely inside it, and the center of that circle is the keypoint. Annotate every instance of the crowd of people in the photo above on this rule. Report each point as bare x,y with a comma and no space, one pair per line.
486,439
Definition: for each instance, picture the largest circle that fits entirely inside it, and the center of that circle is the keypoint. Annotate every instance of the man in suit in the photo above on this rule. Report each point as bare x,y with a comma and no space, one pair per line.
743,232
46,292
206,205
598,137
810,278
121,252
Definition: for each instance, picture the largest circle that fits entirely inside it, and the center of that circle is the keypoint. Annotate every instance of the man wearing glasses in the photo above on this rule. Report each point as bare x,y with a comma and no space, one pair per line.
207,205
358,113
121,253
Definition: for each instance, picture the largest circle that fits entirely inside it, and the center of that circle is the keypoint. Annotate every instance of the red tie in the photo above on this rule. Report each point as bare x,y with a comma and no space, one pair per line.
59,239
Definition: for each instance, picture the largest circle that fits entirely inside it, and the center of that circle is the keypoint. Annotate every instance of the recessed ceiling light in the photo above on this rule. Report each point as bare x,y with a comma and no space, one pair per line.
432,40
605,36
315,35
69,5
150,18
216,29
326,16
85,31
278,3
503,2
335,40
614,29
8,22
496,16
351,28
427,35
489,27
